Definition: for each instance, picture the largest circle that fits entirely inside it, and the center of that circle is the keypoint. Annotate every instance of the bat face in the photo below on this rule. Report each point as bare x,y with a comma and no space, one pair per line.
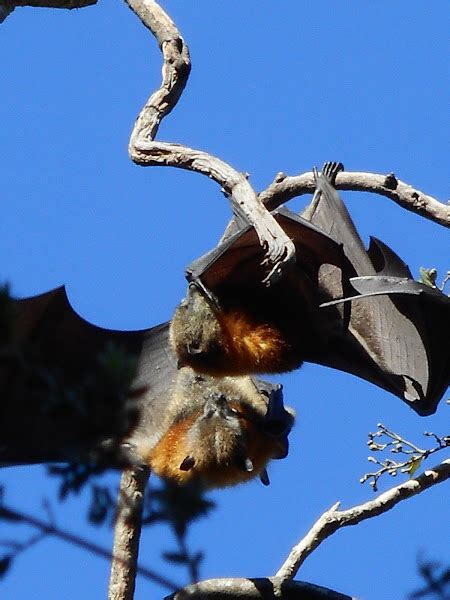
220,432
231,324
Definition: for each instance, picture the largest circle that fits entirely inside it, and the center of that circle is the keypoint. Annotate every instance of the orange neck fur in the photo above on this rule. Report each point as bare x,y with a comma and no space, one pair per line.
252,347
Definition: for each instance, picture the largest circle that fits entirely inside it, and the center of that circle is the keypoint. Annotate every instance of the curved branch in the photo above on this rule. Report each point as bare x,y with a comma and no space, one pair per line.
127,533
175,70
333,519
285,188
144,151
248,589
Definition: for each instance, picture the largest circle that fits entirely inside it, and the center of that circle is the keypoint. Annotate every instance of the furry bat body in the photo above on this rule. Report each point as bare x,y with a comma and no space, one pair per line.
74,391
392,336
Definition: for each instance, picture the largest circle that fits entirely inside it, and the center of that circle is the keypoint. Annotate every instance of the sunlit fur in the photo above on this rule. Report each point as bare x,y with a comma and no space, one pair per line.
219,444
233,341
251,347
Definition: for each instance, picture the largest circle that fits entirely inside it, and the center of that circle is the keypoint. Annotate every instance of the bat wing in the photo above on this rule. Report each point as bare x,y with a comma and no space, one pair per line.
239,260
396,334
69,386
73,391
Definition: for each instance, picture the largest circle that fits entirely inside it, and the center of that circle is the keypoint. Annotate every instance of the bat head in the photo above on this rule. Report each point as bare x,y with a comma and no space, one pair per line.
196,333
224,431
252,334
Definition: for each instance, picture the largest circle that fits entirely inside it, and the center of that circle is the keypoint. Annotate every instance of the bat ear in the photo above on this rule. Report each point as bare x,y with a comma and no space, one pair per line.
283,447
278,421
386,261
264,477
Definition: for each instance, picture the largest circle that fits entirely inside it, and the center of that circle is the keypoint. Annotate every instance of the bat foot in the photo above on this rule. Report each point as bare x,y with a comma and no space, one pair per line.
330,169
282,257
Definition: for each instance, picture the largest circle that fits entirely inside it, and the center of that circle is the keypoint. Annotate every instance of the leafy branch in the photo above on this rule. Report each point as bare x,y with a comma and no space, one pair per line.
396,444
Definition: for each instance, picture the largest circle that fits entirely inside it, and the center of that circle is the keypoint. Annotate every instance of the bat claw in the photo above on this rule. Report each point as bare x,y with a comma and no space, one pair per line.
282,257
247,465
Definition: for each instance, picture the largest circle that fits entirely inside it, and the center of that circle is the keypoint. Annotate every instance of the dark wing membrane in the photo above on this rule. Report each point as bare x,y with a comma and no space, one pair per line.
69,386
391,339
427,307
239,259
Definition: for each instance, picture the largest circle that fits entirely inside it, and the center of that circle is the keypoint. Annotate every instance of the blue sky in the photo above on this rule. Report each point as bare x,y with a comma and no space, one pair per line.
275,86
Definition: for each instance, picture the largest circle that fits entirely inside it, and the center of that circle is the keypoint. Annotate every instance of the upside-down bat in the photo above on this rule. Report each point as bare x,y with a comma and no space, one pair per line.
66,397
394,334
231,323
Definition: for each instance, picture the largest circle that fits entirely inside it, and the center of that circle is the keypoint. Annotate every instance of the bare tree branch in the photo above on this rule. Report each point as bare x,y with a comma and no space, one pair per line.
175,70
248,589
285,188
333,519
144,151
127,534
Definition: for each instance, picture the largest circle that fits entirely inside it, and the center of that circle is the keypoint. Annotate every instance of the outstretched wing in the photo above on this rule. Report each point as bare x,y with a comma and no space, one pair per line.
397,335
239,260
69,387
72,391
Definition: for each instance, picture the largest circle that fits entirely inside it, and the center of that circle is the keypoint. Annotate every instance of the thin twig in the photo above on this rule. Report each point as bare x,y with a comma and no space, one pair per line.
400,446
333,519
47,528
145,151
285,188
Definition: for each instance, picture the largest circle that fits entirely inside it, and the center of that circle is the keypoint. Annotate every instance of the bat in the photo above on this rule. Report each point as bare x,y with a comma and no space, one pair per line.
231,323
72,391
335,308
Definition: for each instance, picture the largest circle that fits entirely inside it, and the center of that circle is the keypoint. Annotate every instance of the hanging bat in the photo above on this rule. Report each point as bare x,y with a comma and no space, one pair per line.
72,391
230,323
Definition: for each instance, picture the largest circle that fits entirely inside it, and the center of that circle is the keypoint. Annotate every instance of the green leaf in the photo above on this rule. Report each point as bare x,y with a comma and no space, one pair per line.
415,464
428,276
